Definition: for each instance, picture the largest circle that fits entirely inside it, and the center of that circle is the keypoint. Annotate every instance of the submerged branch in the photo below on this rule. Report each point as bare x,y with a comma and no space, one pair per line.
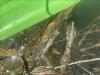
84,61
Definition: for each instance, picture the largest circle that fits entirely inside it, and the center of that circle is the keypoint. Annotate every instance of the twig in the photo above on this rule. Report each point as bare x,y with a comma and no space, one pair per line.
90,73
96,45
84,61
59,66
94,31
81,32
85,34
70,36
89,26
92,39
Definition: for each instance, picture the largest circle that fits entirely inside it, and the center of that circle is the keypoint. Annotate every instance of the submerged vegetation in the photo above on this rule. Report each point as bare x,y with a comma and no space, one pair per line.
53,47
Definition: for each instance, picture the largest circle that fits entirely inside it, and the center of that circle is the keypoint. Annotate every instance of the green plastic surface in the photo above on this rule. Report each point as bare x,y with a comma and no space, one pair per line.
17,15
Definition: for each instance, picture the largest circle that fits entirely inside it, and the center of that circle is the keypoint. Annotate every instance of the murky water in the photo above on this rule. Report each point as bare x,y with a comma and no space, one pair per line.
29,40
